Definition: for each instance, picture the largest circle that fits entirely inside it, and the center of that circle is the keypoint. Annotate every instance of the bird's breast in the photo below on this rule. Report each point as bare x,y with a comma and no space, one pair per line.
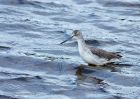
87,56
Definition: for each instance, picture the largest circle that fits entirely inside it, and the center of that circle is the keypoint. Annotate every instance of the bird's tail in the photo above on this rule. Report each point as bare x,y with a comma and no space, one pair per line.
118,55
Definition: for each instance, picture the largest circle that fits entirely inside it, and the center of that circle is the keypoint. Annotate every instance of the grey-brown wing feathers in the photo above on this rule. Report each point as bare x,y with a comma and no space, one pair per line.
105,54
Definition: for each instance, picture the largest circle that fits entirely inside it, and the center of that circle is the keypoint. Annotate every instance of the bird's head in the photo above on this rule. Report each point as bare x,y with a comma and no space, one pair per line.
76,34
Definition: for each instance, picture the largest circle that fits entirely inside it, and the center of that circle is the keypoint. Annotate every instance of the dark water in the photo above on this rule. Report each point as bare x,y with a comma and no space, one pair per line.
33,65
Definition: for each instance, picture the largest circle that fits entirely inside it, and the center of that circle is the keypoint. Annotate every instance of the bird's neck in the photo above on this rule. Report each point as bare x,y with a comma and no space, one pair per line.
81,43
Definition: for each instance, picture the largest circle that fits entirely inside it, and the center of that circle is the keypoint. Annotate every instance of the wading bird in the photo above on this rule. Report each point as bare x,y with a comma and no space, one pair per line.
93,56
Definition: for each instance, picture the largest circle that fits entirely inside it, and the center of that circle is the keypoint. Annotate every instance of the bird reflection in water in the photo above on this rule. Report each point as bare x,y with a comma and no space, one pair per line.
85,73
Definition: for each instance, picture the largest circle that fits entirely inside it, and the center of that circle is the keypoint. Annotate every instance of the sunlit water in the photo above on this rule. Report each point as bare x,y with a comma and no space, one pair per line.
34,65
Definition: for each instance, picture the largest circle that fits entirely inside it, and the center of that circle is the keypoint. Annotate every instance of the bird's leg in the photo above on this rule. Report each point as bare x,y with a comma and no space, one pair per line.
80,70
81,66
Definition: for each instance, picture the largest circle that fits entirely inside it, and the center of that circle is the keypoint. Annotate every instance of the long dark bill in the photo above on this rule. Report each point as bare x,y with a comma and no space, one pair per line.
67,40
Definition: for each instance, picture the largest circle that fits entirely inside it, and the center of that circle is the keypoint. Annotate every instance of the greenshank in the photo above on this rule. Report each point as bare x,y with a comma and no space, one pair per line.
92,55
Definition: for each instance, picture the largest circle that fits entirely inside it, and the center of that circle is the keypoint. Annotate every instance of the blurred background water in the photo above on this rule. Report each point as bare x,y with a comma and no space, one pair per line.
33,64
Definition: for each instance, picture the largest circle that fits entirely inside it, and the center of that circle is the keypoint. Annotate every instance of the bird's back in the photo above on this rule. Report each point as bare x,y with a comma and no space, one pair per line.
105,54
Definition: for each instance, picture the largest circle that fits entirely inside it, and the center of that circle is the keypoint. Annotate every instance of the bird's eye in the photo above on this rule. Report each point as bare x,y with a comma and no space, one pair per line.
76,33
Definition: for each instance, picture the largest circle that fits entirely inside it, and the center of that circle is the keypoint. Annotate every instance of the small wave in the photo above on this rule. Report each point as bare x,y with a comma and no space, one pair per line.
23,79
27,79
6,97
4,48
83,1
13,1
109,3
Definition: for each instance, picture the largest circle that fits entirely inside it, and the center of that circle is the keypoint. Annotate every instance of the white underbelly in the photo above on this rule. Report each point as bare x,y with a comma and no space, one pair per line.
93,59
89,57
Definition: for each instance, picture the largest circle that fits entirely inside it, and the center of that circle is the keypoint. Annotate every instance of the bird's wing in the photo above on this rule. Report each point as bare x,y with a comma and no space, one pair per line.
105,54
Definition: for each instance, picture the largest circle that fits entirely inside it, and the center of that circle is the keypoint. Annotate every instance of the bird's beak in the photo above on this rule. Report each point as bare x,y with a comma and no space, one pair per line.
67,39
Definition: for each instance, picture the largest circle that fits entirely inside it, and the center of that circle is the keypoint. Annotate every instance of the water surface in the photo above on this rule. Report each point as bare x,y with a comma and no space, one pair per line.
33,64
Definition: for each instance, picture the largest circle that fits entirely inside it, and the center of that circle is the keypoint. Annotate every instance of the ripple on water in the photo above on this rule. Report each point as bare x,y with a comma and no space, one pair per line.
33,64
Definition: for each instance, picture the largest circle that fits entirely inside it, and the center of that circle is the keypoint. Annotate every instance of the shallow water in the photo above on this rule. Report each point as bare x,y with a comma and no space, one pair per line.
33,64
